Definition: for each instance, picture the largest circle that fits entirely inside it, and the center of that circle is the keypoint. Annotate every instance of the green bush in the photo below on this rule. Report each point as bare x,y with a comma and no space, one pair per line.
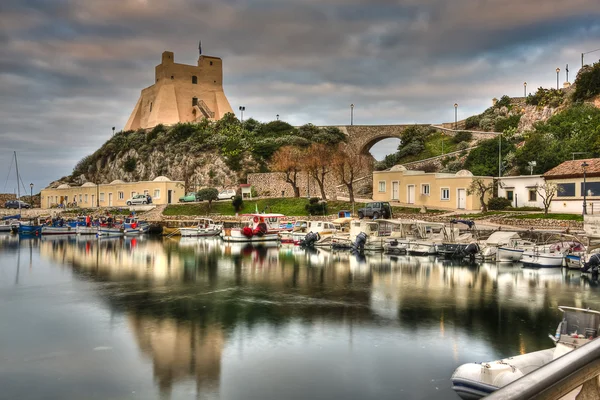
503,124
316,207
498,203
503,102
462,137
546,97
587,83
130,164
237,203
472,122
462,146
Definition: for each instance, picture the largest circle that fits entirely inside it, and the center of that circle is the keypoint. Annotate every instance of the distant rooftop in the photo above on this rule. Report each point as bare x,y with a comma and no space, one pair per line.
573,169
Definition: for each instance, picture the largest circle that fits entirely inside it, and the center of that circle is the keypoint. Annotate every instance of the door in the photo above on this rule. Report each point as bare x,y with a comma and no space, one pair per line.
395,190
462,199
169,195
110,199
411,194
94,200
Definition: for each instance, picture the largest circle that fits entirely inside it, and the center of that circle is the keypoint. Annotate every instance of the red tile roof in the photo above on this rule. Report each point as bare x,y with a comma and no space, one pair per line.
573,169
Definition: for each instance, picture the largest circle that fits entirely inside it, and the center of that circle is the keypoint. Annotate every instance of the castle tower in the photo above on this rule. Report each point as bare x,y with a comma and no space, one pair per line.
181,93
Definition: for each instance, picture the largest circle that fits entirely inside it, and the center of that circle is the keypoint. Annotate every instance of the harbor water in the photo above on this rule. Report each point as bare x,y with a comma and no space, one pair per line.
143,318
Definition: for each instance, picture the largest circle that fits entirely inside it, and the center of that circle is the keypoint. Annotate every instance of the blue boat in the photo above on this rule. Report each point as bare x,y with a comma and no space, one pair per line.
30,229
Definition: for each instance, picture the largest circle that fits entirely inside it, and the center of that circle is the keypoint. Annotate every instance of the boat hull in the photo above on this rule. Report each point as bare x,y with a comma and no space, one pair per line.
58,230
87,230
110,232
238,237
532,259
506,254
195,232
30,229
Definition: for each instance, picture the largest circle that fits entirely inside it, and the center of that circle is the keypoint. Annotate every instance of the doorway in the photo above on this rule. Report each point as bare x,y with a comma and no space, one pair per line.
395,190
411,194
110,199
169,195
462,199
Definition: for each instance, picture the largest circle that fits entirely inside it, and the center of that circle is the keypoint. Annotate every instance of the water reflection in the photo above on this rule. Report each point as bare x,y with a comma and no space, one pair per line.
224,319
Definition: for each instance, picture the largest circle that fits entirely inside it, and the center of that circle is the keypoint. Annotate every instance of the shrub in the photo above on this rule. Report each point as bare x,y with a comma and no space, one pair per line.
587,84
316,207
462,137
462,146
503,102
486,123
472,122
498,203
503,124
130,164
429,167
237,203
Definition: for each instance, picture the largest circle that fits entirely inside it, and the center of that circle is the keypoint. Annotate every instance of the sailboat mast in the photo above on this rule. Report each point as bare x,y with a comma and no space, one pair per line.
18,183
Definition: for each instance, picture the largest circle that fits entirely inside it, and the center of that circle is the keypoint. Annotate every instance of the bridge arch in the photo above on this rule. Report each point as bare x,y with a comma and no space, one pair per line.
363,137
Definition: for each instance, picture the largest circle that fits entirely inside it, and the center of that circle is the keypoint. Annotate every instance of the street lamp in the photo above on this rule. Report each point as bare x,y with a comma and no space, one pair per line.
242,109
525,89
113,129
351,114
31,196
455,116
277,117
557,72
584,166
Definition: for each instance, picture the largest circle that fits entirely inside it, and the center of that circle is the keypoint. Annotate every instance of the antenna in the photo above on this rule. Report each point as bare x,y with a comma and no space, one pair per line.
200,47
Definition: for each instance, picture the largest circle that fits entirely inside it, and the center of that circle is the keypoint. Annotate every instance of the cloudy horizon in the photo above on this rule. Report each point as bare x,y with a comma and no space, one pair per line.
71,70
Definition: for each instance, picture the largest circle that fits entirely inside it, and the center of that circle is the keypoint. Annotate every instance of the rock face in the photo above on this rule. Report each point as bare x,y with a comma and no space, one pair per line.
533,114
197,171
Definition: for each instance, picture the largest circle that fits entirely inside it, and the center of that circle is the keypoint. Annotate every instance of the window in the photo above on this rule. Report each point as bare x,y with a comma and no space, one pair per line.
85,198
510,195
565,190
101,196
133,194
150,106
445,194
532,195
211,63
194,80
93,198
381,186
591,188
66,199
121,195
156,193
80,198
194,101
172,76
425,189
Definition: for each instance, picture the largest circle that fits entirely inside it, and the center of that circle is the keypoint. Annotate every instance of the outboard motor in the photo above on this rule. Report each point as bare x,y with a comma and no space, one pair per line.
359,243
394,243
471,251
310,239
592,264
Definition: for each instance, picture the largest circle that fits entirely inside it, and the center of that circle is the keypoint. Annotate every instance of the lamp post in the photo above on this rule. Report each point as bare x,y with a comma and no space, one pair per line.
277,117
113,129
31,194
557,73
455,116
242,109
525,89
584,166
351,114
500,155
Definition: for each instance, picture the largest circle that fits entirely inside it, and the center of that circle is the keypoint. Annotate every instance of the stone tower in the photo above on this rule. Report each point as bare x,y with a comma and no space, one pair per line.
181,93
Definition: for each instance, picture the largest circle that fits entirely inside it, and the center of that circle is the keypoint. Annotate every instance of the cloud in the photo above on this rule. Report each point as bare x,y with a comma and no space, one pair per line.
70,70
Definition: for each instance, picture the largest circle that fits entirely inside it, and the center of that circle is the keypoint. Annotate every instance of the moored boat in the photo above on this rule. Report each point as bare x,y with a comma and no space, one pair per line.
58,230
86,230
258,228
206,228
6,222
111,231
476,380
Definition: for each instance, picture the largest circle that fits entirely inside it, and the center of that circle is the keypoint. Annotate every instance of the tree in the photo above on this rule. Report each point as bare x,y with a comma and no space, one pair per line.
479,188
347,165
237,203
289,160
318,164
208,194
483,160
546,191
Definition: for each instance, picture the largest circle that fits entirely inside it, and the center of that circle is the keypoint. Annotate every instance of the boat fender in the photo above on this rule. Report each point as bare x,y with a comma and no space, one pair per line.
247,231
255,220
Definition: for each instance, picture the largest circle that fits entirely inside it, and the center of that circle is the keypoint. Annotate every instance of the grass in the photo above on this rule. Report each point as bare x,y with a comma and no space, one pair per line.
479,215
561,217
433,148
286,206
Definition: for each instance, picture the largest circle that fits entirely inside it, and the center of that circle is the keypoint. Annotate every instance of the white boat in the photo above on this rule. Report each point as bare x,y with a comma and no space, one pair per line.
114,231
258,228
86,230
551,255
428,236
7,222
303,227
489,249
58,230
476,380
205,228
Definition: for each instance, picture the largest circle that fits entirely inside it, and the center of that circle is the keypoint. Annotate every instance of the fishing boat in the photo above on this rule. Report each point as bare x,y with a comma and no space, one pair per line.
476,380
87,230
489,248
454,242
206,228
257,228
429,236
58,230
551,255
370,235
302,228
115,230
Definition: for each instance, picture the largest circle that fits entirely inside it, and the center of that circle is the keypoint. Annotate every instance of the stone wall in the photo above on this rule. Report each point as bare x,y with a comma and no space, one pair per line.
273,184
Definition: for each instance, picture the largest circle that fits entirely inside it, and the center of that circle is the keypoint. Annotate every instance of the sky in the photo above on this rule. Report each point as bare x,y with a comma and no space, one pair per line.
70,70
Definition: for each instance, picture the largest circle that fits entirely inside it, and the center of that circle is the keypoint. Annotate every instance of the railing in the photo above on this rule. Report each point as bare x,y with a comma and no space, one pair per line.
204,109
559,377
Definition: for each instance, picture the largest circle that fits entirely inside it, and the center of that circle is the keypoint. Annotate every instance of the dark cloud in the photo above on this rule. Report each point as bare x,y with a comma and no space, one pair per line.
70,70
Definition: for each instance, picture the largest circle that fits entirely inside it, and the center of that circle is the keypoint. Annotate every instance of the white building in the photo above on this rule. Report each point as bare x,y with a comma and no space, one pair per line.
520,190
